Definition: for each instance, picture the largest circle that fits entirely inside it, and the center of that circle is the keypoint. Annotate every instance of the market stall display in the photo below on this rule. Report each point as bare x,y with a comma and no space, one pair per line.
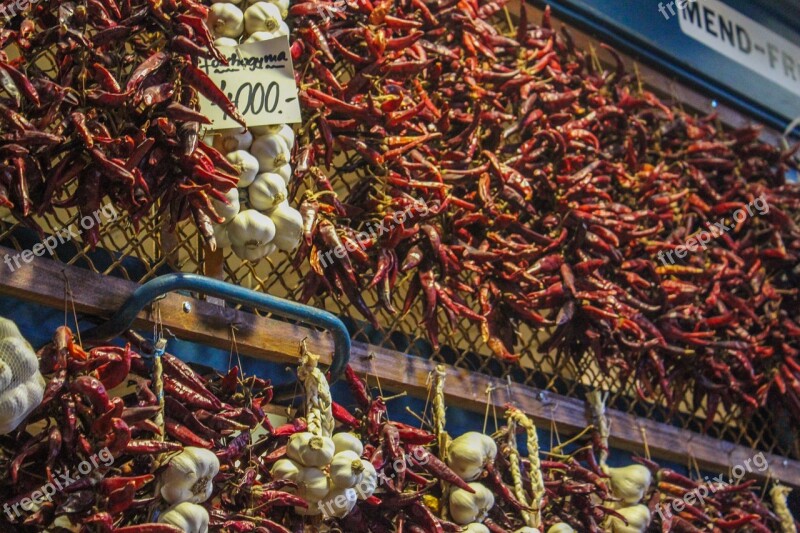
515,182
206,458
109,107
540,217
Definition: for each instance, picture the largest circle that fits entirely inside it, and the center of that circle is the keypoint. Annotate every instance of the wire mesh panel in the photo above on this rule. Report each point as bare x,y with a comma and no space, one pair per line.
140,254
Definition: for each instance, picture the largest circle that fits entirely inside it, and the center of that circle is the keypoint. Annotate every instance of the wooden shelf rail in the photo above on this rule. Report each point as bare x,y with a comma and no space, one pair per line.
43,281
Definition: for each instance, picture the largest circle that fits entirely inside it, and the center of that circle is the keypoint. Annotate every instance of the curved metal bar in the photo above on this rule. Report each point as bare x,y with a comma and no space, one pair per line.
162,285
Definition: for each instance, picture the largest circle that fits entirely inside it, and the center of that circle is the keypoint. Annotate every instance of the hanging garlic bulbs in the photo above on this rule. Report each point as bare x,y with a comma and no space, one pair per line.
369,481
327,469
189,476
189,517
637,518
561,527
226,20
21,384
258,218
346,469
469,453
309,449
466,508
262,16
629,483
348,441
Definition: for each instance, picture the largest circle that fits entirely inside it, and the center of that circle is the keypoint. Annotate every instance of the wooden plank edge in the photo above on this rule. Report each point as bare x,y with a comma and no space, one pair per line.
467,390
43,281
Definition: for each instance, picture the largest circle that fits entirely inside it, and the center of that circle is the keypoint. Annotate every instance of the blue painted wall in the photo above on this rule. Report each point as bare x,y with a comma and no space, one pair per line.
638,27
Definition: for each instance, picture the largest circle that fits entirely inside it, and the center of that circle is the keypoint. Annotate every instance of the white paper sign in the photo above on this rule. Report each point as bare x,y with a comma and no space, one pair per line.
259,80
743,40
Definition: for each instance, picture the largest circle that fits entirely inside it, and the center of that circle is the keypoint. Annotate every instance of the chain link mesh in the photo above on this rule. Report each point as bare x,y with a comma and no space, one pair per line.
140,255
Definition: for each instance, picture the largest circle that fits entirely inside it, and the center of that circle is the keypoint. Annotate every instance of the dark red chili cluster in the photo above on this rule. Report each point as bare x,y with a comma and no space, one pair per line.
550,188
99,98
81,422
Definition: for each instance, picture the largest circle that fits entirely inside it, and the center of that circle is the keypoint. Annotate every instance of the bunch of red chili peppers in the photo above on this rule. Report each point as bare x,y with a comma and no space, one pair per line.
99,98
79,417
550,186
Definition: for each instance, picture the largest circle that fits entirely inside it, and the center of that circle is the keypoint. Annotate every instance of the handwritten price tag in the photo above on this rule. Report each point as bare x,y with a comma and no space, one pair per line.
259,80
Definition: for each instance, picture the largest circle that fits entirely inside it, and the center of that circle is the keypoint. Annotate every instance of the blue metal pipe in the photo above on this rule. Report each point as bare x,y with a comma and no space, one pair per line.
162,285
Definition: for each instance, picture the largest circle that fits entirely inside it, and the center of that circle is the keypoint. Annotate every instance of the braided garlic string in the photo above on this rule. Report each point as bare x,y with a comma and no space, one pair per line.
597,403
537,481
779,494
439,420
439,416
319,412
516,472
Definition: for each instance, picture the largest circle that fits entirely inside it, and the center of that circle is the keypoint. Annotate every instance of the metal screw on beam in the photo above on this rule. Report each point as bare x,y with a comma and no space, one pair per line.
187,307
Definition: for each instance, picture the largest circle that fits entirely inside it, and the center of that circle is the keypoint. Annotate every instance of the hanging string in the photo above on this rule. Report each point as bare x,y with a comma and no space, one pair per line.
160,346
643,431
429,386
514,468
696,465
638,77
377,381
691,460
160,343
554,427
538,492
766,485
489,390
235,349
69,299
439,422
597,403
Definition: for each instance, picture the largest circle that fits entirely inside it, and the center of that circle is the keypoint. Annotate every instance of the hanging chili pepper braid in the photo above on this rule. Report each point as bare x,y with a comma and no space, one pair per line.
101,100
514,182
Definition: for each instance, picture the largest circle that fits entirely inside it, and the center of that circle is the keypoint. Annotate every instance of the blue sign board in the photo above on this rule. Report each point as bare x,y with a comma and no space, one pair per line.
743,52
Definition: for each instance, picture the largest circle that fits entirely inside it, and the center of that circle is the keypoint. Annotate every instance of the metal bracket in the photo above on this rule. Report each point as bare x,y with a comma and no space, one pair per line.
160,286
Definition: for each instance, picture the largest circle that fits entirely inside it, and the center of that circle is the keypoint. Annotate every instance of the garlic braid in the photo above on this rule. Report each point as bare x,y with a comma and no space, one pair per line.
516,472
537,481
319,412
597,404
779,494
442,438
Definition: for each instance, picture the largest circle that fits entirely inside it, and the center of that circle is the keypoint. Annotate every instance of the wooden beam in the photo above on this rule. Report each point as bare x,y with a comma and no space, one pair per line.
467,390
43,281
